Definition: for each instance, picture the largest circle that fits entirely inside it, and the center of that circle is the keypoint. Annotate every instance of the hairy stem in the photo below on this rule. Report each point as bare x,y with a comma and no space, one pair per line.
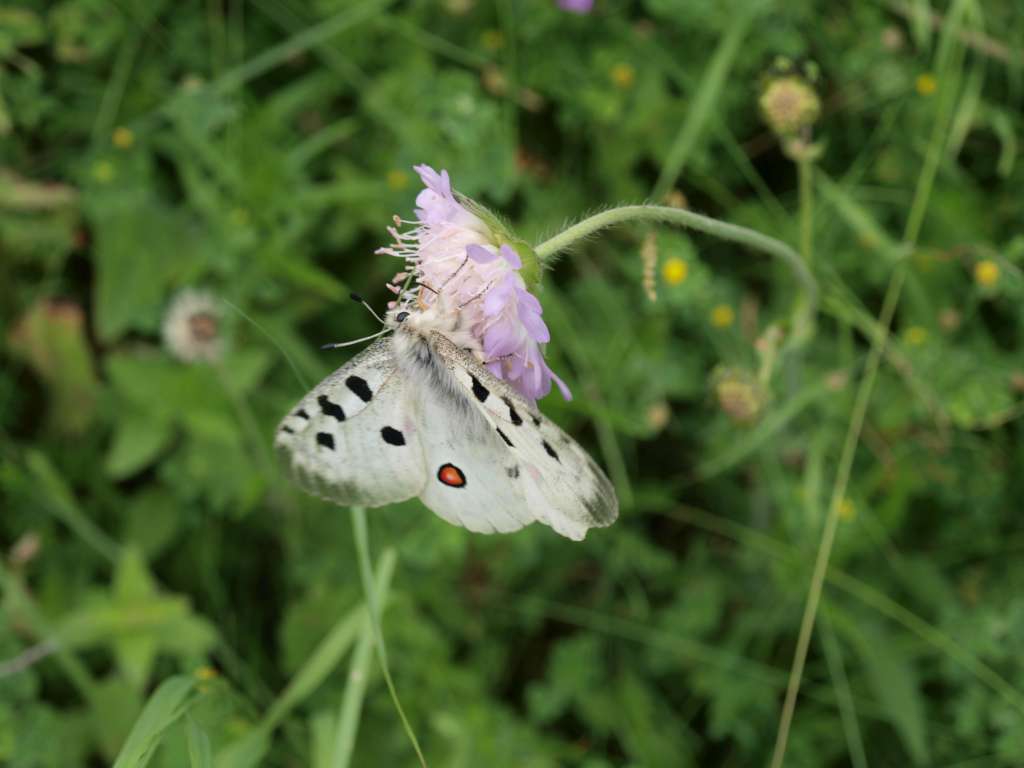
690,220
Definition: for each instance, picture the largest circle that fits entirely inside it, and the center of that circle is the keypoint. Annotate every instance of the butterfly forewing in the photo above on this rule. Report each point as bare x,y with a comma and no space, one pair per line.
355,439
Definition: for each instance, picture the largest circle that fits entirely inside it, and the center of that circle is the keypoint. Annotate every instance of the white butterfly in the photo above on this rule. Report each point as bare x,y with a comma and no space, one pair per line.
417,414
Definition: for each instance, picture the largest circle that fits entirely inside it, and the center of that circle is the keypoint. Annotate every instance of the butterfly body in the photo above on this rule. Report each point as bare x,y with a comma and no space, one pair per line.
417,414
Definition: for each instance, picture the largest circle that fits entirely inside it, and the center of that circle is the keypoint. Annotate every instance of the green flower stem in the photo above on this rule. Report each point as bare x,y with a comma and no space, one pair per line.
806,183
690,220
950,58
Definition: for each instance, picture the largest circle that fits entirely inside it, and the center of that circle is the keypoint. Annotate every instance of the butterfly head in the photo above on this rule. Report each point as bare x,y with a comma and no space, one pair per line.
417,323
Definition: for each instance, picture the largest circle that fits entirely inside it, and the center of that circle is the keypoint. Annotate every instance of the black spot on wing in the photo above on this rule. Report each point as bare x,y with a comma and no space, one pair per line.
550,450
330,409
536,420
505,438
359,388
324,439
301,413
512,412
392,436
513,471
479,390
289,430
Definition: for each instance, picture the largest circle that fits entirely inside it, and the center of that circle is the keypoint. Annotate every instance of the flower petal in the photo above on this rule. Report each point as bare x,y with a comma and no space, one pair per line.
480,254
535,326
511,256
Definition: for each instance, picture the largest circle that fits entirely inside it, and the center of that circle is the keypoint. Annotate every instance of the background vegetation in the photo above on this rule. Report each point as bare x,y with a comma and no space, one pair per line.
152,552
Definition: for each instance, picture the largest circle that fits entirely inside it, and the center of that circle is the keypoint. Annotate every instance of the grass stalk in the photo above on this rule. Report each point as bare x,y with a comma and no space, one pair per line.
372,609
703,102
951,61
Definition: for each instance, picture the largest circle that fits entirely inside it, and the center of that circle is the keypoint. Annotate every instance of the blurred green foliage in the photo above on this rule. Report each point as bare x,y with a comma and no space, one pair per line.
168,597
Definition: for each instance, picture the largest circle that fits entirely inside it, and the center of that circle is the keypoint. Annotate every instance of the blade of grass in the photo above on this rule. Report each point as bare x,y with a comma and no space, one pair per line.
58,499
775,422
170,701
199,753
950,58
859,590
844,697
703,101
114,92
291,19
352,702
248,749
19,606
372,606
331,649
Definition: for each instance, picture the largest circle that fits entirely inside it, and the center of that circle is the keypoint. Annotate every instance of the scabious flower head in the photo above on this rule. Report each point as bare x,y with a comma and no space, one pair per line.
789,104
739,394
460,254
192,327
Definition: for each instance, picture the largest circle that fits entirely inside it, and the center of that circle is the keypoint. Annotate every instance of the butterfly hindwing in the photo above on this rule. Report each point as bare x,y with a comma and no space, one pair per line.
467,467
355,439
530,460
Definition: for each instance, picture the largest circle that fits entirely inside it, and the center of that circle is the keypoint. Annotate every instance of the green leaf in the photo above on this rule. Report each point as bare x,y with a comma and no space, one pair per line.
170,701
134,246
138,440
51,337
133,584
199,753
893,677
245,752
323,660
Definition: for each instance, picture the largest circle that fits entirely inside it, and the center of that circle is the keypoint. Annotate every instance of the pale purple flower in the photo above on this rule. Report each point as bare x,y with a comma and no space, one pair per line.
576,6
451,251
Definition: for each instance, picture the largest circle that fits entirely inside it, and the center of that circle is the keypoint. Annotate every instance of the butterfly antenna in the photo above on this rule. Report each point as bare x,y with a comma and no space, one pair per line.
360,300
470,301
453,274
339,344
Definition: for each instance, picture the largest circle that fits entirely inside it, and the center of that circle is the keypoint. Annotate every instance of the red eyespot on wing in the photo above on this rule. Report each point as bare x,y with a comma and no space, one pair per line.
451,475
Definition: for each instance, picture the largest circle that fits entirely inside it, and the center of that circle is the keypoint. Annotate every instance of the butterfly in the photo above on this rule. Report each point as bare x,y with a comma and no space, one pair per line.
417,414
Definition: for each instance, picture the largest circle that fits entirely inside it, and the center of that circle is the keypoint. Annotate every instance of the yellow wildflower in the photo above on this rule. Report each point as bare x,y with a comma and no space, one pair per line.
207,673
926,84
492,39
103,171
986,273
675,271
722,316
623,75
847,510
123,138
915,335
398,179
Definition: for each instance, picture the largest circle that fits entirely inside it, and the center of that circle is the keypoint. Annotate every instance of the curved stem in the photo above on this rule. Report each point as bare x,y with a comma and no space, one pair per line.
689,220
